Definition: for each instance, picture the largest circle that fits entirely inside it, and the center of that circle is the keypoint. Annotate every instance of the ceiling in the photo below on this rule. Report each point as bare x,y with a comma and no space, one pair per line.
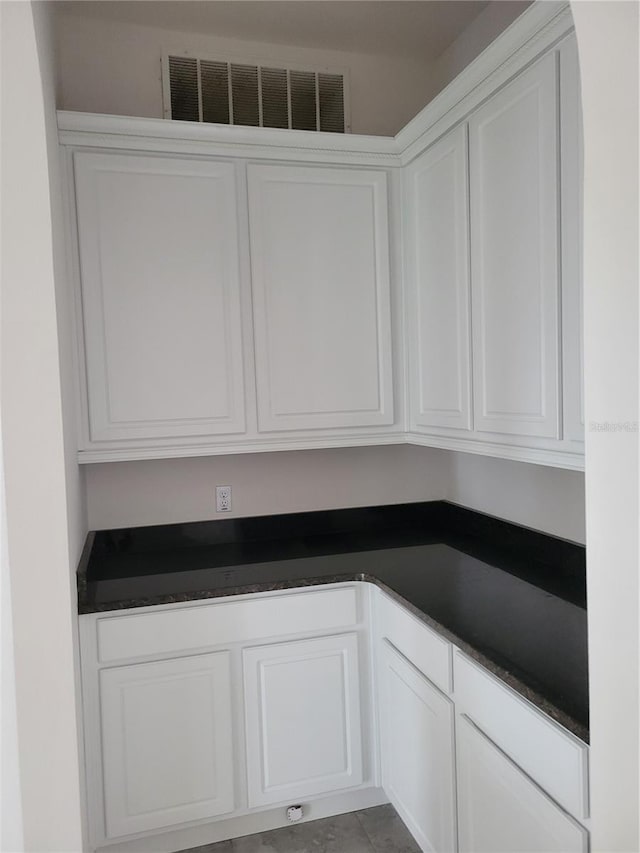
418,28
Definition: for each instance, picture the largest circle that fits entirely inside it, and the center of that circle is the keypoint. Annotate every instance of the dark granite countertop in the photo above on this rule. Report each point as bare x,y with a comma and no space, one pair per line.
512,598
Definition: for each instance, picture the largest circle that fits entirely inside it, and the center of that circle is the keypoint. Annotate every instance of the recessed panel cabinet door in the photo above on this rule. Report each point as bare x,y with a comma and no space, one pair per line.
166,742
500,810
303,719
571,194
513,142
417,751
160,296
437,198
320,274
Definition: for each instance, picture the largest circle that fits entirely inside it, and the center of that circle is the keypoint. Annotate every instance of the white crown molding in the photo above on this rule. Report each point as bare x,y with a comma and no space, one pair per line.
529,36
90,130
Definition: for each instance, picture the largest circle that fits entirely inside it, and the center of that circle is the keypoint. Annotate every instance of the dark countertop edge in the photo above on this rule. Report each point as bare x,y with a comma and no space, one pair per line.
544,705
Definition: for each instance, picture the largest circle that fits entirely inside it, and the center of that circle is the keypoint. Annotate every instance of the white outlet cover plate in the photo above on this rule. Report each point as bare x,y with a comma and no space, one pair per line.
223,498
294,813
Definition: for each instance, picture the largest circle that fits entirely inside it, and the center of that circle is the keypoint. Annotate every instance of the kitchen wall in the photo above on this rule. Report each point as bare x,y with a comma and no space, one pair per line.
495,18
608,45
121,494
113,67
99,59
172,490
11,828
548,499
44,501
64,295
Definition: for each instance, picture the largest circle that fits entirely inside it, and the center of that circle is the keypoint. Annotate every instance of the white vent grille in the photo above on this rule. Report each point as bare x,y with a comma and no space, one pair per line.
227,92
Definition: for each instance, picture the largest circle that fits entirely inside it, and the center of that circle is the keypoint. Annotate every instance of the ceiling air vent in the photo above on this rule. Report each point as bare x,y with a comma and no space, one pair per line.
225,92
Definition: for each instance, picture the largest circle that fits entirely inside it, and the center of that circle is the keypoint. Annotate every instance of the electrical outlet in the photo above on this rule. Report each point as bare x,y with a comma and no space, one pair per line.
223,498
294,813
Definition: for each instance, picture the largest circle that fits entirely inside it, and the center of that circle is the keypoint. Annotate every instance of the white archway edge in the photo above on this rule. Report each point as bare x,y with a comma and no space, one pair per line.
41,565
607,34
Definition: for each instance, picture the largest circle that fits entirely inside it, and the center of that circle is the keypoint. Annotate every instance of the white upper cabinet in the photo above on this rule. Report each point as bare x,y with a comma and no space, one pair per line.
242,292
513,142
321,298
437,243
571,229
158,245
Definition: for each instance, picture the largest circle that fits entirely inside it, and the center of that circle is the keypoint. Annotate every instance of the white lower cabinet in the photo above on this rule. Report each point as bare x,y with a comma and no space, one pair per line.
500,809
417,751
199,717
204,720
166,742
302,705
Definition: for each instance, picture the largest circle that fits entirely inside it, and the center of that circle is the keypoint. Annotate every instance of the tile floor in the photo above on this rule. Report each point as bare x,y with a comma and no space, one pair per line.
375,830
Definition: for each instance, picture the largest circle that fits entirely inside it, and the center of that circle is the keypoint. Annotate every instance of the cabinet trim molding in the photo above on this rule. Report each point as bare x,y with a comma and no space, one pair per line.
94,130
268,445
536,455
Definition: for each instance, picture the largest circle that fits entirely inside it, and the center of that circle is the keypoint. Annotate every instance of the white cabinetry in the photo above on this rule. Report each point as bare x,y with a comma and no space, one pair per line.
437,255
166,742
493,212
514,228
158,253
225,304
522,779
571,229
556,759
199,716
244,291
320,276
417,751
500,810
303,718
205,719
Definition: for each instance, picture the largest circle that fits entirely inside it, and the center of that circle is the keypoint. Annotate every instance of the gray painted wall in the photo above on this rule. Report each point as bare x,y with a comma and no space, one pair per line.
121,494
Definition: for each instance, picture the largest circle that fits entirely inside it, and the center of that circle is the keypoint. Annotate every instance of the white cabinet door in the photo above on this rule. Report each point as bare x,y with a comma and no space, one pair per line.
160,296
571,195
303,719
320,273
500,810
166,742
513,143
437,243
417,751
